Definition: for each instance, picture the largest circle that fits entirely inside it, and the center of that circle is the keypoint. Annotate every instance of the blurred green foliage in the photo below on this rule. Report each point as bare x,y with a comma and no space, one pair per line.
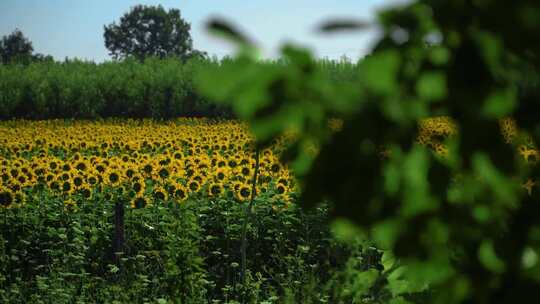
460,225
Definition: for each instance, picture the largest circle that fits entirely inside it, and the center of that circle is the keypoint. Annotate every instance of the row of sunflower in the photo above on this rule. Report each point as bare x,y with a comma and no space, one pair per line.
145,161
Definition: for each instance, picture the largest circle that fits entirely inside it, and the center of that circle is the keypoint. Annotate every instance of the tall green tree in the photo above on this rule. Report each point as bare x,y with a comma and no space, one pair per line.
147,31
15,47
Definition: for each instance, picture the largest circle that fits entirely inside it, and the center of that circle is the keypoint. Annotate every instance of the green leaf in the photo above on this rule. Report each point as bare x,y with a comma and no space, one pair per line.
488,257
416,196
501,103
386,233
432,86
439,55
378,72
345,230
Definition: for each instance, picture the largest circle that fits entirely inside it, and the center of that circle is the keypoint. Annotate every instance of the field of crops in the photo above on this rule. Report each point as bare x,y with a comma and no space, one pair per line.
142,162
184,185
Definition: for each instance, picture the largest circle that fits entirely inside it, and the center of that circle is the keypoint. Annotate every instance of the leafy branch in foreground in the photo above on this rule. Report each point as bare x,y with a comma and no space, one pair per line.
461,224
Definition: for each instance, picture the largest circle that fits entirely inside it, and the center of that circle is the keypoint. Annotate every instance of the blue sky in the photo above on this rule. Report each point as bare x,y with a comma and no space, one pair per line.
74,28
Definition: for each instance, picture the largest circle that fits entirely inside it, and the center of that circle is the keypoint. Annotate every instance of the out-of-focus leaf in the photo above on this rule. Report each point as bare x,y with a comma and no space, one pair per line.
378,72
226,30
501,103
488,257
432,86
439,55
346,230
343,25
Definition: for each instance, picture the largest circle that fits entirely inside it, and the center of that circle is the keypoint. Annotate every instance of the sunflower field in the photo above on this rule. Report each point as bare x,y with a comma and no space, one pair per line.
141,162
184,186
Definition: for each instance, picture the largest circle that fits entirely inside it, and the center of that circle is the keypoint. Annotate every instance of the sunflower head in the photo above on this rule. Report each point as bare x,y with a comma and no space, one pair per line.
148,169
7,198
67,187
70,204
281,188
221,174
180,192
215,189
92,180
243,193
194,185
138,186
160,193
78,181
112,178
139,202
81,166
85,191
164,172
245,171
275,168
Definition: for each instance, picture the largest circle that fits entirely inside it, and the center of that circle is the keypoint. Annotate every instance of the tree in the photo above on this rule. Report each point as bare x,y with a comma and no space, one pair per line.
149,31
15,47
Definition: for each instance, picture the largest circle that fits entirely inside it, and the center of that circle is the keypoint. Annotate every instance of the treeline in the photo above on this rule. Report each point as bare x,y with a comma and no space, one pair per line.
76,89
155,88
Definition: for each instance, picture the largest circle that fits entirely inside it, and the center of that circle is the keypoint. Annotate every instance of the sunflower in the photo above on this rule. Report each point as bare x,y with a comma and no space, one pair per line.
54,185
180,192
198,177
5,176
22,179
215,189
283,181
64,176
164,172
221,163
53,165
275,168
67,186
112,177
160,193
7,198
148,169
15,185
221,174
78,180
100,168
178,155
81,165
138,186
85,191
281,188
70,204
129,172
66,167
14,172
194,185
243,193
92,179
245,171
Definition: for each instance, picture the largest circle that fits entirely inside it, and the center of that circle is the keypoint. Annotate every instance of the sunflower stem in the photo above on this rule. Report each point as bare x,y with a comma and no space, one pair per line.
247,217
